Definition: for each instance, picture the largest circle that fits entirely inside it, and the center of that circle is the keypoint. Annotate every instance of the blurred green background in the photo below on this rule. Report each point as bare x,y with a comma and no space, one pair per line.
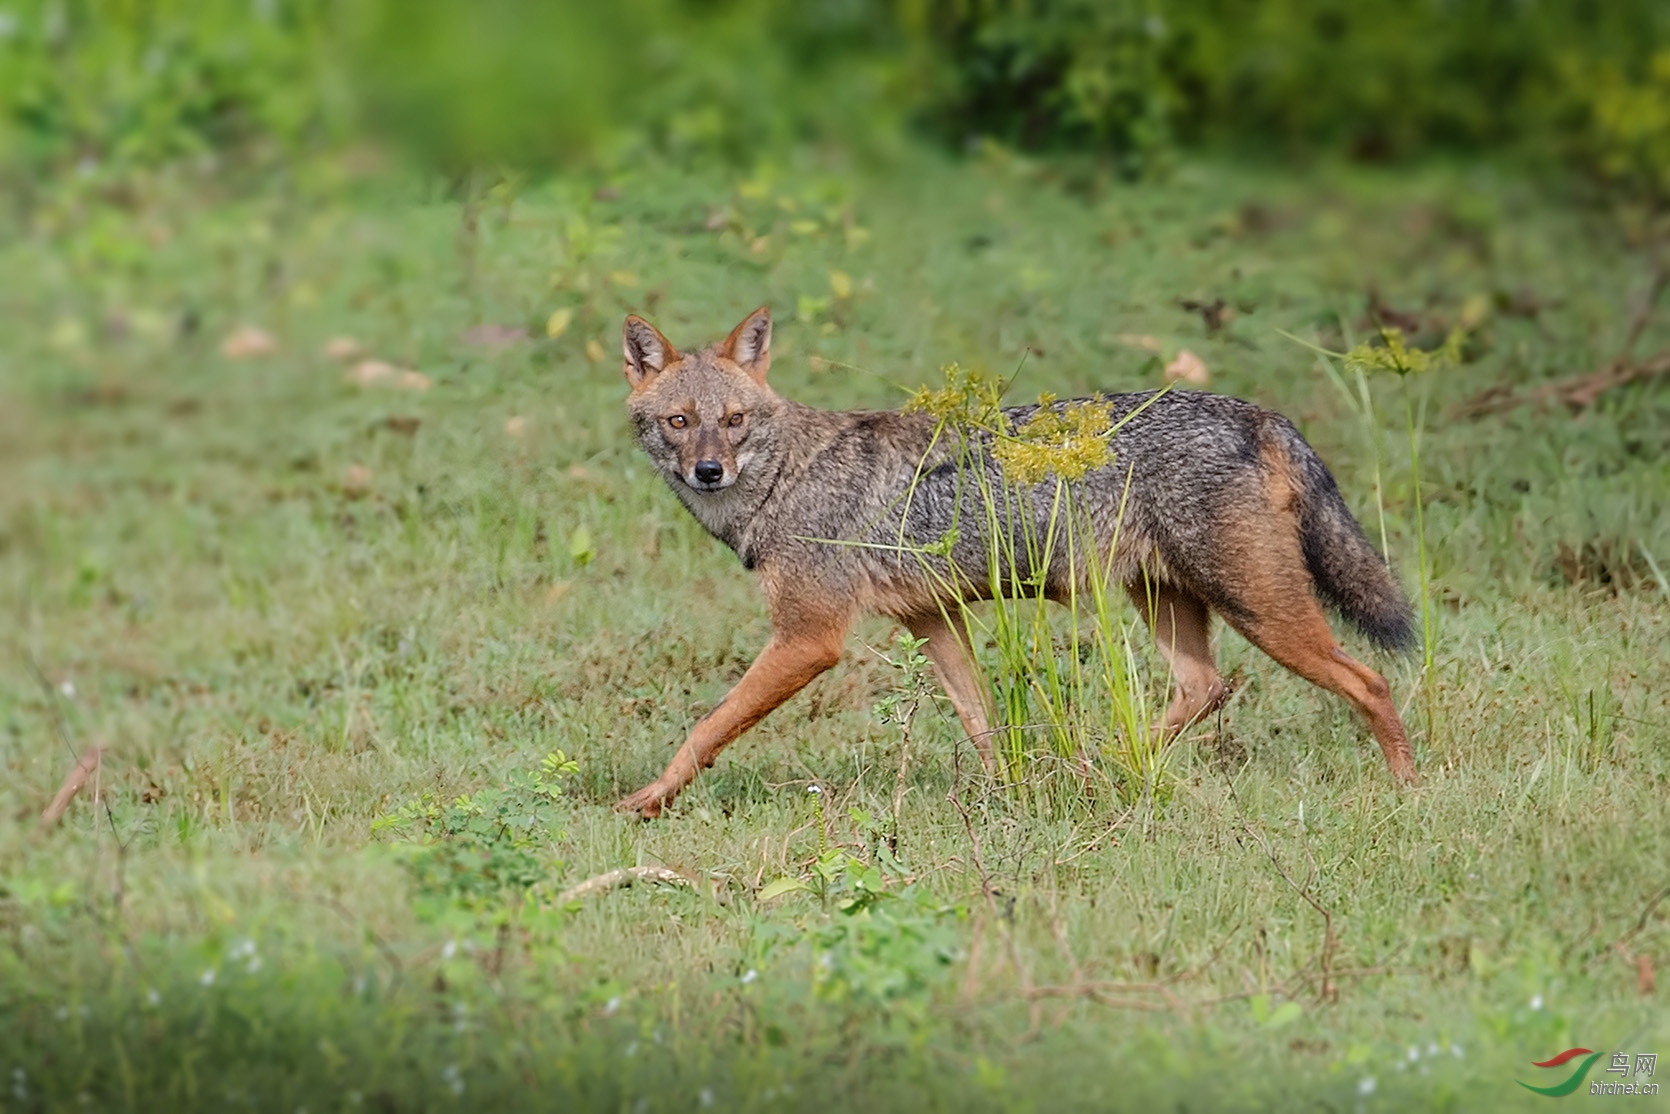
1580,86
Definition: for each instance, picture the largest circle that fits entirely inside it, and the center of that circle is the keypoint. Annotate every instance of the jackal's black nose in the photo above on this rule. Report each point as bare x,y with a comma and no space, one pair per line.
709,471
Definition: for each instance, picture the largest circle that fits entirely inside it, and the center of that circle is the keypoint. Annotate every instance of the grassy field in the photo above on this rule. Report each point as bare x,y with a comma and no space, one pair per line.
305,614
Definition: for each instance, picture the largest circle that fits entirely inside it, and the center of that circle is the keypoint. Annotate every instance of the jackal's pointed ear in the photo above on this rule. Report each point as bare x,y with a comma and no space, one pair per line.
749,345
647,352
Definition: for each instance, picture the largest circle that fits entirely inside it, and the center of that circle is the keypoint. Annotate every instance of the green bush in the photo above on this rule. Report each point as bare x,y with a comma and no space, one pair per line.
1371,78
530,84
149,81
1630,140
142,82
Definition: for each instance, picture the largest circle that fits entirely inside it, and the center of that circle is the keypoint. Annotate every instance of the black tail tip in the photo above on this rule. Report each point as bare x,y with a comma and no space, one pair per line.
1393,630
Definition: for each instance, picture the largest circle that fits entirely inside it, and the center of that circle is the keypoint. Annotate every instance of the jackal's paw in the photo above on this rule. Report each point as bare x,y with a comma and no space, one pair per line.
647,801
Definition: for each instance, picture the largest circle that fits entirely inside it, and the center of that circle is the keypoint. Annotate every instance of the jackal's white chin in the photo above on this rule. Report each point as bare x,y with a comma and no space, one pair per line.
706,486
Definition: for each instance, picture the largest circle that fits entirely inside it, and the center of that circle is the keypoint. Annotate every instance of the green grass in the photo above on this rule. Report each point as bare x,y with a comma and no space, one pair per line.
287,612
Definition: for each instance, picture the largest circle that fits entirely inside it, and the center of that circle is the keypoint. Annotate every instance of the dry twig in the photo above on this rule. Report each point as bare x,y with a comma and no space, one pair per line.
622,877
86,767
1330,943
1577,392
1580,391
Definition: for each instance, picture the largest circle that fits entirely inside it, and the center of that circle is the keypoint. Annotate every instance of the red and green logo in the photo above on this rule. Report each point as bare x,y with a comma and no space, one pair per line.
1573,1082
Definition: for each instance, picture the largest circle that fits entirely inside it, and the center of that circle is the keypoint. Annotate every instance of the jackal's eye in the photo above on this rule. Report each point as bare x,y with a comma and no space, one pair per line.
735,419
678,421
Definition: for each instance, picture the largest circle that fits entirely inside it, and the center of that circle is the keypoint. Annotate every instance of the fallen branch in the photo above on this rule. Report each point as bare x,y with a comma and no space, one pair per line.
1620,947
1580,391
1644,308
621,878
84,769
1577,392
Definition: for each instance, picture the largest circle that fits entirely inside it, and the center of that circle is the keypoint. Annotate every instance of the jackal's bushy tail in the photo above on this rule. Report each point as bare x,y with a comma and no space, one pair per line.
1349,575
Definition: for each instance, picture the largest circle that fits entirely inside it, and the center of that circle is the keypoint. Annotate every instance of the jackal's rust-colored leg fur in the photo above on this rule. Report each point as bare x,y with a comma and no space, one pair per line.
1182,631
948,648
798,651
1294,631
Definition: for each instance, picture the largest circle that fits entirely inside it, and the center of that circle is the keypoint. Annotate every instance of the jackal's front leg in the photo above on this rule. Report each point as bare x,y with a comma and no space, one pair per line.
788,662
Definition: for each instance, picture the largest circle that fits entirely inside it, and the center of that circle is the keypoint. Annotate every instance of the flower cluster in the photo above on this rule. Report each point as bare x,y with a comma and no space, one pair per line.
1070,440
970,398
1394,354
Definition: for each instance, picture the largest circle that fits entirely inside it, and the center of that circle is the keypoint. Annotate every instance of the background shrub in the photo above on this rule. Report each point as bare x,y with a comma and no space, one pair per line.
1582,82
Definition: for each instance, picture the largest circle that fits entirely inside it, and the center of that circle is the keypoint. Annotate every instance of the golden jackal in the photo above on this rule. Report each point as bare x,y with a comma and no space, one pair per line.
1210,504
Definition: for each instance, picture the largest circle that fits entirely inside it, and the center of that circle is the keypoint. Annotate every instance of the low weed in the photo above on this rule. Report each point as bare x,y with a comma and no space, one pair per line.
874,950
1073,706
476,850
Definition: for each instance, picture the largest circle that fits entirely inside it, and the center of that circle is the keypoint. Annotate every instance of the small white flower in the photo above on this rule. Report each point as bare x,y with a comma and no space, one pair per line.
68,689
749,976
1432,1049
611,1006
814,789
631,1048
208,978
706,1096
449,949
453,1078
1536,1001
62,1013
1366,1085
153,997
1455,1050
1414,1054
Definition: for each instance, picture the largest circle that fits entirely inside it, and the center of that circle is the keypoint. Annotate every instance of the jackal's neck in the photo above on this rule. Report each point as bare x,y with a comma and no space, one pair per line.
728,514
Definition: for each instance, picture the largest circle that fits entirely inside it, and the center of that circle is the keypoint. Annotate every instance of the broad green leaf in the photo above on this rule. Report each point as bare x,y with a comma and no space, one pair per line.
780,887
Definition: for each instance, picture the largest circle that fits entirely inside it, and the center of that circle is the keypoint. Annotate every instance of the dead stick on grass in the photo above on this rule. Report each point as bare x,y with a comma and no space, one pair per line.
1644,310
1003,916
91,759
1639,927
617,879
1329,992
1581,391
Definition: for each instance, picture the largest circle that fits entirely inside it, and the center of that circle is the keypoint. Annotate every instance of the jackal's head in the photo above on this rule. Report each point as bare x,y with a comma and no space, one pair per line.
701,416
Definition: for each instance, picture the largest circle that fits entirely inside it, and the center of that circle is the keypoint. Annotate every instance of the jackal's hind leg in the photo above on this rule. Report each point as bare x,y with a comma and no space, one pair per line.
949,649
1290,626
1181,627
